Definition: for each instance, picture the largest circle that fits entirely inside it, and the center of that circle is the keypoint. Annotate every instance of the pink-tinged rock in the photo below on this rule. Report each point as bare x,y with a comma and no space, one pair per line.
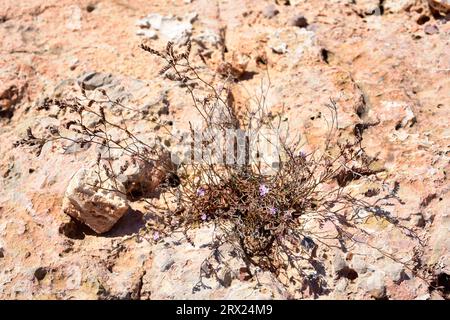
97,204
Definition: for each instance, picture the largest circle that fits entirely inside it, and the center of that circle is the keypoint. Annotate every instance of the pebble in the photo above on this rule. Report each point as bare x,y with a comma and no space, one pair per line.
359,265
431,29
395,271
167,264
280,49
375,285
74,63
270,11
147,33
94,80
339,264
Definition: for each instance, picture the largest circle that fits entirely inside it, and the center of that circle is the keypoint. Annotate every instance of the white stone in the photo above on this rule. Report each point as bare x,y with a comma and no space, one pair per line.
97,204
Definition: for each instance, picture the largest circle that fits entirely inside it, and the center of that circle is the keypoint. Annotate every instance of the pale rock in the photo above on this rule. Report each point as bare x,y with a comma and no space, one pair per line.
93,80
359,264
270,11
91,201
73,22
439,252
208,38
280,48
375,285
398,112
185,260
170,28
431,29
74,62
147,33
341,285
339,264
395,271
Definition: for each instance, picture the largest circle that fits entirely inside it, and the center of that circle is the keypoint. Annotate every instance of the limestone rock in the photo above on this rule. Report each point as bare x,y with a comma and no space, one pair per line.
398,112
395,271
375,285
97,204
176,267
339,264
170,28
94,80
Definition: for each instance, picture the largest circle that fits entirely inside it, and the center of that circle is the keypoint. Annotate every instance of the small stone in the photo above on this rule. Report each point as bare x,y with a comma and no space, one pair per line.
341,285
170,28
208,38
74,63
298,21
395,271
167,265
225,277
431,29
270,11
339,264
147,33
98,205
74,18
359,265
280,49
375,285
94,80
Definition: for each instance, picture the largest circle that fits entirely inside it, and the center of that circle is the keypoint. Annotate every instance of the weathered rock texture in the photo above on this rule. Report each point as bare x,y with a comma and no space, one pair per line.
98,204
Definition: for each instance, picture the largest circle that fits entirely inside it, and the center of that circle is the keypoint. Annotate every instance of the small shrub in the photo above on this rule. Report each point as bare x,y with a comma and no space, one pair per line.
263,210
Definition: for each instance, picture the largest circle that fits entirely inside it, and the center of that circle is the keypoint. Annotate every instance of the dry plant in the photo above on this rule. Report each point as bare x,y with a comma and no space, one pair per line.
271,218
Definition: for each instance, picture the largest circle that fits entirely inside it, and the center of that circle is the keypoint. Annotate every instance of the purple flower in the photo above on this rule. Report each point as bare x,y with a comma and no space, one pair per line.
204,217
200,192
263,190
156,236
302,154
273,211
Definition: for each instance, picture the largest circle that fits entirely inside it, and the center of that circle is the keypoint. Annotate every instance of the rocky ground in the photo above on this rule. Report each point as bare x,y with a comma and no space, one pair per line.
385,63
